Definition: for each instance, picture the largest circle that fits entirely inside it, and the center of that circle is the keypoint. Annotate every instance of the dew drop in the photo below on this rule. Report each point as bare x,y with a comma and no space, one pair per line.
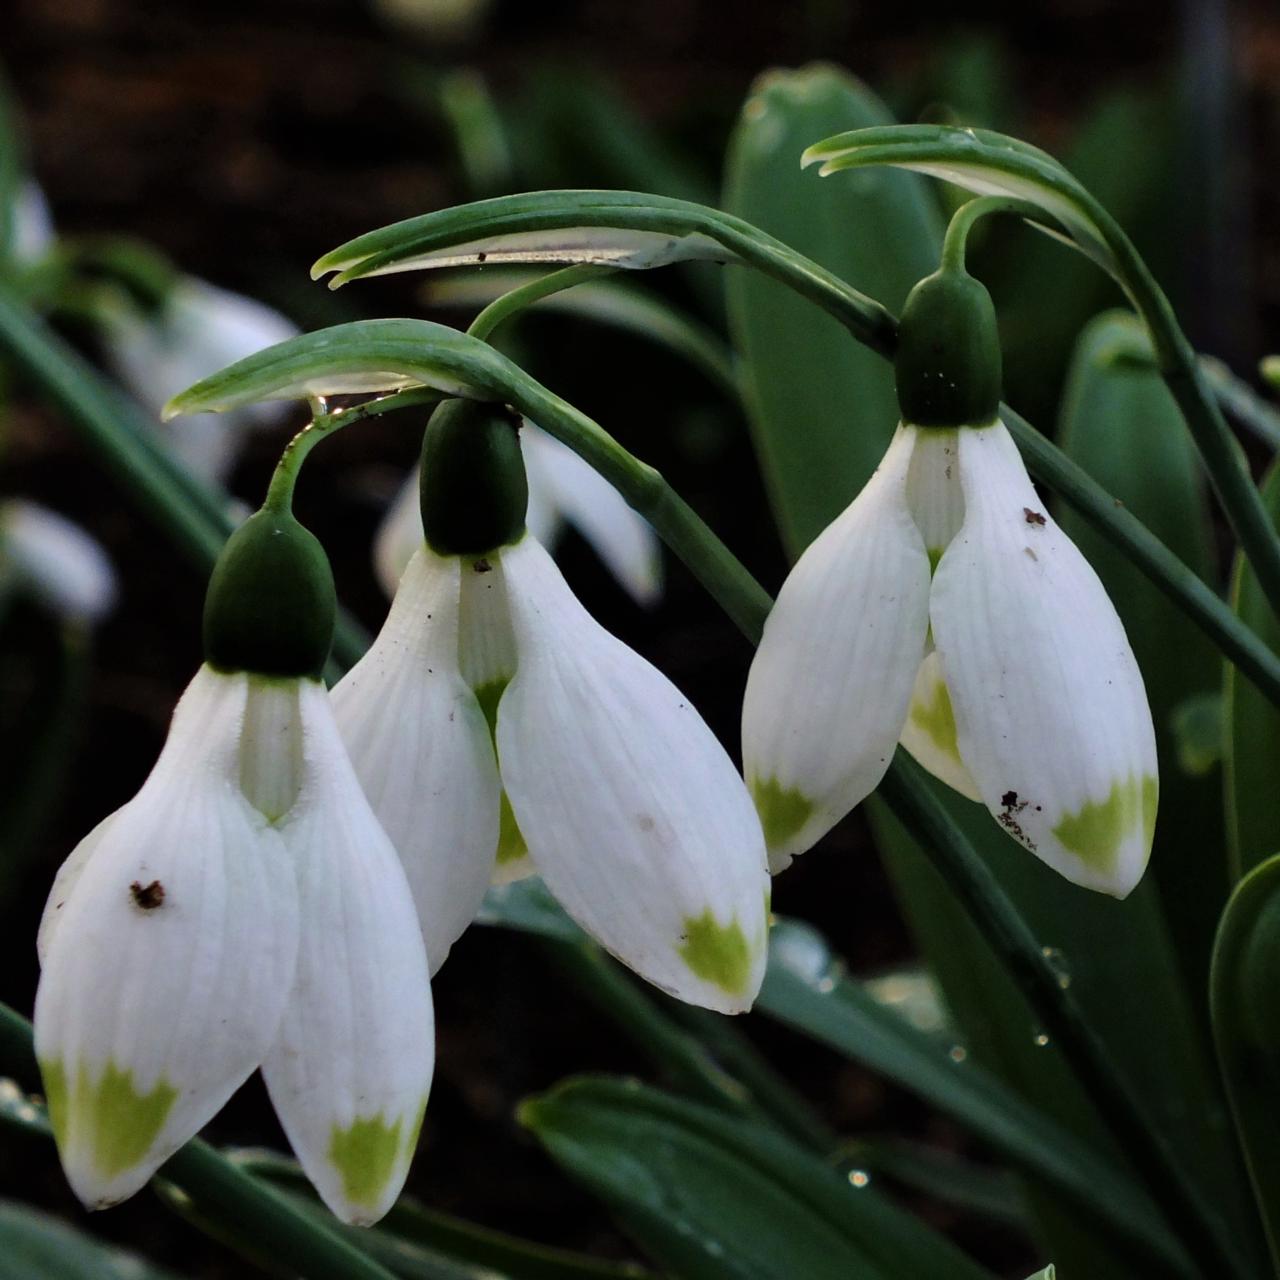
958,1053
1040,1039
1058,963
859,1178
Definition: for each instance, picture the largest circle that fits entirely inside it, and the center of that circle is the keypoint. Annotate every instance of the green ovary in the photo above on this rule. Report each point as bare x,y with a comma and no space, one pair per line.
783,811
108,1116
938,720
511,845
1097,831
365,1156
717,953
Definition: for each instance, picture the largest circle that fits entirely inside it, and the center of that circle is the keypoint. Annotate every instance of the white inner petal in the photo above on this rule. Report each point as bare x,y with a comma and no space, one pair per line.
271,754
934,493
486,643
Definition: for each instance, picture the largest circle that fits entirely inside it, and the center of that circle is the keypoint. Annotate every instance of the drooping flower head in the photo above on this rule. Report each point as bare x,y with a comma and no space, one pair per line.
944,609
606,781
243,910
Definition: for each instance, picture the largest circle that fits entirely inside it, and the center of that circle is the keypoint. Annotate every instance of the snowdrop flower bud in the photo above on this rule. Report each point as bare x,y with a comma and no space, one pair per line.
563,490
198,330
243,910
616,791
57,560
945,609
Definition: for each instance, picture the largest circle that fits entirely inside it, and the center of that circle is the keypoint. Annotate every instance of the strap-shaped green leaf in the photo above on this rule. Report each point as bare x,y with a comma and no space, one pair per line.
38,1246
822,408
713,1197
1244,982
1252,739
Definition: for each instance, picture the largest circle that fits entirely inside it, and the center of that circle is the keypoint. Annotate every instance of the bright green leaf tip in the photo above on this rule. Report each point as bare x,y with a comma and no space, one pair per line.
716,953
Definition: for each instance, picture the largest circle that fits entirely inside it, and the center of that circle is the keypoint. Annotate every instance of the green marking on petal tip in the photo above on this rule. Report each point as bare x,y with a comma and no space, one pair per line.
783,810
717,953
365,1156
937,719
511,844
934,554
1097,830
116,1122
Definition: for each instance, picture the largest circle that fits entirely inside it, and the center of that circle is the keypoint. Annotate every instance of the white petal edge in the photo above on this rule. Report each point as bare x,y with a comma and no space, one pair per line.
165,979
67,568
399,535
634,815
1051,714
351,1067
422,751
622,538
829,688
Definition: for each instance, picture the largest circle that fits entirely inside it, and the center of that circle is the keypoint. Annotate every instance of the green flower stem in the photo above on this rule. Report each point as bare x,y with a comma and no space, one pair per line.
510,304
224,1192
966,217
188,510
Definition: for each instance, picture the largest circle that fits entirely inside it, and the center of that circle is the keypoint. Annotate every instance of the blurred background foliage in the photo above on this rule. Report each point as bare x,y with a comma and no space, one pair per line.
239,141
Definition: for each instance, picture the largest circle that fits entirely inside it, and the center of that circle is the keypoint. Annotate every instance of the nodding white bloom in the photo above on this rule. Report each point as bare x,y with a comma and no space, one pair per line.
945,609
57,560
199,329
243,910
563,490
607,782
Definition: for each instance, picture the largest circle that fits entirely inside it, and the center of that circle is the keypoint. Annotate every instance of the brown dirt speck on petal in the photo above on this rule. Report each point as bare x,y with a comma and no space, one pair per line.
482,566
147,896
1032,517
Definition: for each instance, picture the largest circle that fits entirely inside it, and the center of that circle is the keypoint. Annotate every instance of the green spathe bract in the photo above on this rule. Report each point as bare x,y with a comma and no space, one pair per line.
948,365
474,491
271,604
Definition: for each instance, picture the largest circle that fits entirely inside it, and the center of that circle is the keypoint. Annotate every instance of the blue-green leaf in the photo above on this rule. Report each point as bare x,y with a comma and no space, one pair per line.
38,1246
713,1197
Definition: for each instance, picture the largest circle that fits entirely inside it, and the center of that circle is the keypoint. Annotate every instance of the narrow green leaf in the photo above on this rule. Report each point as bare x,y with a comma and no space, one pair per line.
38,1246
1252,740
1243,982
712,1196
413,1238
1120,423
806,988
822,408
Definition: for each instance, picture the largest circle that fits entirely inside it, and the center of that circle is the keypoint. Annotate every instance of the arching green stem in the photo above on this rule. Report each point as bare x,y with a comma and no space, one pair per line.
510,304
967,216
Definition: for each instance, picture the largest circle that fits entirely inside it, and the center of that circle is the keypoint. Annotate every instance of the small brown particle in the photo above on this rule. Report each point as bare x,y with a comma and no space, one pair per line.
481,256
147,896
1009,799
482,566
1033,517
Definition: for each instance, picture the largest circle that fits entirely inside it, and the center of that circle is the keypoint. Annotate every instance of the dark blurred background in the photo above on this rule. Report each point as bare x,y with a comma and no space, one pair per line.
244,139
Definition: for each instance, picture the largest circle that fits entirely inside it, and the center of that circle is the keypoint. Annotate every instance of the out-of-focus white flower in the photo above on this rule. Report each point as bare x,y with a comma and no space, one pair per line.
57,560
199,330
945,609
435,19
245,909
31,232
563,489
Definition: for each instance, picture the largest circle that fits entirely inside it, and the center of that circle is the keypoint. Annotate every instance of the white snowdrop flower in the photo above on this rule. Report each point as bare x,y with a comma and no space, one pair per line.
57,560
606,781
245,909
31,230
945,609
199,329
563,490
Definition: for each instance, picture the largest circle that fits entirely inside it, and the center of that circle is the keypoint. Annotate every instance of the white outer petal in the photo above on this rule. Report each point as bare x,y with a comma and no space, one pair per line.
67,567
1049,703
929,733
561,482
831,682
399,535
356,1043
186,994
32,232
421,748
634,814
